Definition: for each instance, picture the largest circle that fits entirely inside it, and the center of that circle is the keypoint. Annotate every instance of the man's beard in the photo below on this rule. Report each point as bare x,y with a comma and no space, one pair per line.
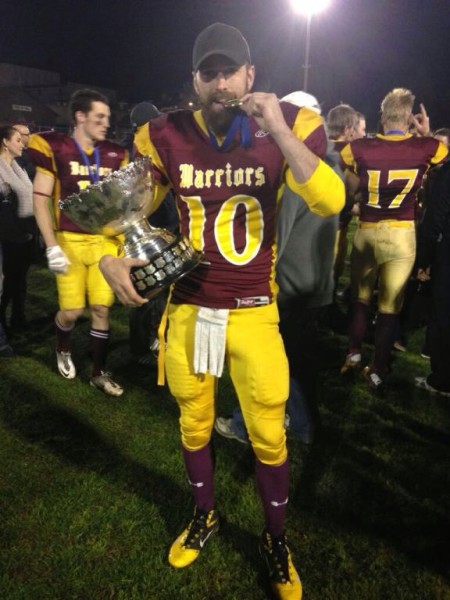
218,122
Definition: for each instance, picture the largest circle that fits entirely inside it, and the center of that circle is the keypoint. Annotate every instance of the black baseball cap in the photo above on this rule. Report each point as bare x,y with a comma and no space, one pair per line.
142,113
221,39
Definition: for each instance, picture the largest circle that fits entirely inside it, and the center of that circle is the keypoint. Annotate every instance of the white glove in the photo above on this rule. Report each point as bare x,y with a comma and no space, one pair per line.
56,259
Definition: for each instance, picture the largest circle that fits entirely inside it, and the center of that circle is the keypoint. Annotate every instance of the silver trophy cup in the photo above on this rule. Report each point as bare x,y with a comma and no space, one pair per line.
120,204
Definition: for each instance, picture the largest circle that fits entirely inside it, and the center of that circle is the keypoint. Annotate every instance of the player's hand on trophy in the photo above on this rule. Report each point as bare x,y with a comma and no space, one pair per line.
56,259
116,271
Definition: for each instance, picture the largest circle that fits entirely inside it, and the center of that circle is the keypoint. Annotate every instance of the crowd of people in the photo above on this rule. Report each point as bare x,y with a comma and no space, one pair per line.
274,190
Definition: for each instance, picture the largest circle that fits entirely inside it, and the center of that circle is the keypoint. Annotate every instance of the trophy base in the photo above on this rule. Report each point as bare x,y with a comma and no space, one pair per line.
166,266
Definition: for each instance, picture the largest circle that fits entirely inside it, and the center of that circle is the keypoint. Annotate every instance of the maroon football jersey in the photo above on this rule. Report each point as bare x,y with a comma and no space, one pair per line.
227,203
58,154
391,170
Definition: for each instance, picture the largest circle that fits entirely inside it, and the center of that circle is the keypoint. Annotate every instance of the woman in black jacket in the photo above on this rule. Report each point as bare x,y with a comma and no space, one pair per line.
16,225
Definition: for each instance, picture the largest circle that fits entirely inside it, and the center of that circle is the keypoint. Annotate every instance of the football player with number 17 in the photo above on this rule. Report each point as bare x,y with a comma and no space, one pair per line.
388,170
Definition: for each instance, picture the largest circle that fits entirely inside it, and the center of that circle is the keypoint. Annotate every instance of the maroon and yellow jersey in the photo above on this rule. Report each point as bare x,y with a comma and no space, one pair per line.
58,155
227,200
391,170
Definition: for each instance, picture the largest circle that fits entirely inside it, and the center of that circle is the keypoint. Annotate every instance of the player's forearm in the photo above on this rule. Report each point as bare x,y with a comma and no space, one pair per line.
42,193
323,192
44,220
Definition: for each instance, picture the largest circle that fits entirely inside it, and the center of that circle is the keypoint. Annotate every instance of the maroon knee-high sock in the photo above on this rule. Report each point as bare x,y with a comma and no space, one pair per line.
273,486
200,472
385,334
62,337
357,327
99,348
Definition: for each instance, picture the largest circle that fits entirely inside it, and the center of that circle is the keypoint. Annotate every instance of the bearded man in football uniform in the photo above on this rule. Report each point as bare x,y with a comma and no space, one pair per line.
228,166
66,164
389,171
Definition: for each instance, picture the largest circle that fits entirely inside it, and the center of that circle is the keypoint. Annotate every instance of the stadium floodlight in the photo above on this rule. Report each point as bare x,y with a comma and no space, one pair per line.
308,8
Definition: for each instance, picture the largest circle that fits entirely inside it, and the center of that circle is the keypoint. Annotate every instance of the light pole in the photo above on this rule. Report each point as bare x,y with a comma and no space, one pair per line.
308,8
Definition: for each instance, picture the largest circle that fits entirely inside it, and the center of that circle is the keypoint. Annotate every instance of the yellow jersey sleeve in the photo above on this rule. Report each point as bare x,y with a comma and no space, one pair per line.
42,154
323,192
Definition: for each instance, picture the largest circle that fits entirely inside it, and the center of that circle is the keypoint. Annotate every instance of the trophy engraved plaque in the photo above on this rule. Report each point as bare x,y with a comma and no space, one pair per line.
120,204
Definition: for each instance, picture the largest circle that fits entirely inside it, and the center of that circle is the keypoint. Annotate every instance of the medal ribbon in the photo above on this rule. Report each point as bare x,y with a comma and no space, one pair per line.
94,174
240,123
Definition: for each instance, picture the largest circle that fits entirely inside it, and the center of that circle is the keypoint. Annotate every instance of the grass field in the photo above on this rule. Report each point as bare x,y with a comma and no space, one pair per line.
92,488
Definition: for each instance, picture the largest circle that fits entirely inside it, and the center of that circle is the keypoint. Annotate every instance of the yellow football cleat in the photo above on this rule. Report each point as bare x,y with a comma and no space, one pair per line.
190,542
284,579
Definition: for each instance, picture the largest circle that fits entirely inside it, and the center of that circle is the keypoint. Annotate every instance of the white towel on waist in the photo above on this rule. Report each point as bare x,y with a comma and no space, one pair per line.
210,340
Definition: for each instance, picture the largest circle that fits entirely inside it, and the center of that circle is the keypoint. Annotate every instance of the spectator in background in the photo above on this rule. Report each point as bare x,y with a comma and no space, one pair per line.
142,113
342,121
304,273
16,232
24,160
419,289
443,135
65,165
5,349
433,261
144,320
360,129
37,244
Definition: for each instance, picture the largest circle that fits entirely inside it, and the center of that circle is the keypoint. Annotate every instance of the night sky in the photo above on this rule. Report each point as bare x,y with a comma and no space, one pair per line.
360,49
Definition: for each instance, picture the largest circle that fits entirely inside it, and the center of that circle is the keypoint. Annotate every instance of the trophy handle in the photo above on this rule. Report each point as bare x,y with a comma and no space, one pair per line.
170,257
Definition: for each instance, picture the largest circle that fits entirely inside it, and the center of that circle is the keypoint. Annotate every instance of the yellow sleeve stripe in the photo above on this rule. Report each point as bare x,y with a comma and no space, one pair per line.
441,153
46,171
306,122
125,160
146,147
198,116
323,192
347,157
41,145
38,143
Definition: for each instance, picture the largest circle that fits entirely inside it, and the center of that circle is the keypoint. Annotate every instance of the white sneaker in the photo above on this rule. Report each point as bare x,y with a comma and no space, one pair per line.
373,379
352,362
422,383
65,365
223,426
104,383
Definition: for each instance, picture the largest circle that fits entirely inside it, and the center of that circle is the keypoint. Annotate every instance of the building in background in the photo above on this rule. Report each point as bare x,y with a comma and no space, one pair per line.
40,98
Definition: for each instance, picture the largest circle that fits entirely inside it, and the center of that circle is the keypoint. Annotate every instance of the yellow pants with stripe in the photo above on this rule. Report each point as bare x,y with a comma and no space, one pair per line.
258,368
383,251
84,278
